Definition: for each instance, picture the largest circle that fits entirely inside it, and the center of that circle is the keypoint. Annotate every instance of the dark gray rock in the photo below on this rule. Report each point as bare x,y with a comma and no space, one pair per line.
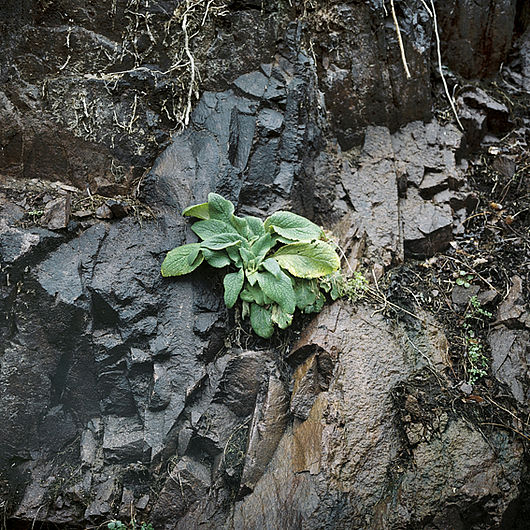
460,295
512,311
350,439
373,192
123,440
242,379
363,79
57,213
481,114
119,209
511,360
427,227
14,243
396,177
104,212
509,341
476,35
310,379
268,425
253,84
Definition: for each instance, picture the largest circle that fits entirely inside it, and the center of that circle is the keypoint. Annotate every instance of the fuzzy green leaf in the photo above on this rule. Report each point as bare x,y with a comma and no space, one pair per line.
293,227
255,225
308,259
201,211
211,227
280,317
278,289
233,284
240,225
216,258
317,306
176,261
271,265
247,255
306,292
219,208
233,254
221,241
262,246
261,321
192,256
252,277
280,239
252,294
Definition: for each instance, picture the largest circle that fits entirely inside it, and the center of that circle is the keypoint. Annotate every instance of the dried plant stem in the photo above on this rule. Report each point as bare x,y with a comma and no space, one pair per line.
439,52
192,64
501,425
400,41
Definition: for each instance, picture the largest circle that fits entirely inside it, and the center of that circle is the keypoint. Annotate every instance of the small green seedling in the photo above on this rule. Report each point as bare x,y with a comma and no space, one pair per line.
278,266
464,279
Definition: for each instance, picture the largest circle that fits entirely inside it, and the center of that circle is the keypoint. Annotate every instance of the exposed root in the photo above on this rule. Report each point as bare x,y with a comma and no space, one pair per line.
439,54
400,40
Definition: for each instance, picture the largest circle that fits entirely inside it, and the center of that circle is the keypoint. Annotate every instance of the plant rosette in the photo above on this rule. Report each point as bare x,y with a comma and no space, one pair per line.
277,266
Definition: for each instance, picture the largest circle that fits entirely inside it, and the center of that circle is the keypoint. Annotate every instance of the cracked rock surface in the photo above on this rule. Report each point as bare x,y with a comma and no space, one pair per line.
123,392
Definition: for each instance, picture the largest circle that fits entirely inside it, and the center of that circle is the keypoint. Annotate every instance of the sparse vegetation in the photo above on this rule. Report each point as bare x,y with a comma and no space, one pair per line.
474,318
132,525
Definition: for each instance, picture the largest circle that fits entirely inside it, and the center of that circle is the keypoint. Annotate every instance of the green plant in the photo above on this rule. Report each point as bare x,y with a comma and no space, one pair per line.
116,525
281,265
476,309
474,317
354,288
464,279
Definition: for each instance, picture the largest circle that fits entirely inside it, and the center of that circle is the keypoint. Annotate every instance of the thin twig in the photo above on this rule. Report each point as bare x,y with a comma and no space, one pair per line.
506,410
506,427
438,49
400,41
473,271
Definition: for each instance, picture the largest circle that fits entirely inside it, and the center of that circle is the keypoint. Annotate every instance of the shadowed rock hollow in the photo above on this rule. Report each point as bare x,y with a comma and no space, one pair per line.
125,393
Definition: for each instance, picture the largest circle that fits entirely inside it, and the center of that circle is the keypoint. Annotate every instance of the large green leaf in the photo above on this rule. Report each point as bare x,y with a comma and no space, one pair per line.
261,320
293,227
201,211
280,317
260,247
192,256
253,293
306,292
233,254
255,225
240,225
279,289
247,256
271,265
219,208
216,258
221,241
308,259
176,262
252,276
211,227
233,284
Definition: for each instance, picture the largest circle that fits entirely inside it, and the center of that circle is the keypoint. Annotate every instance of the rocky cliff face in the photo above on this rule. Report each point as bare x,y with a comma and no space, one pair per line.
124,394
